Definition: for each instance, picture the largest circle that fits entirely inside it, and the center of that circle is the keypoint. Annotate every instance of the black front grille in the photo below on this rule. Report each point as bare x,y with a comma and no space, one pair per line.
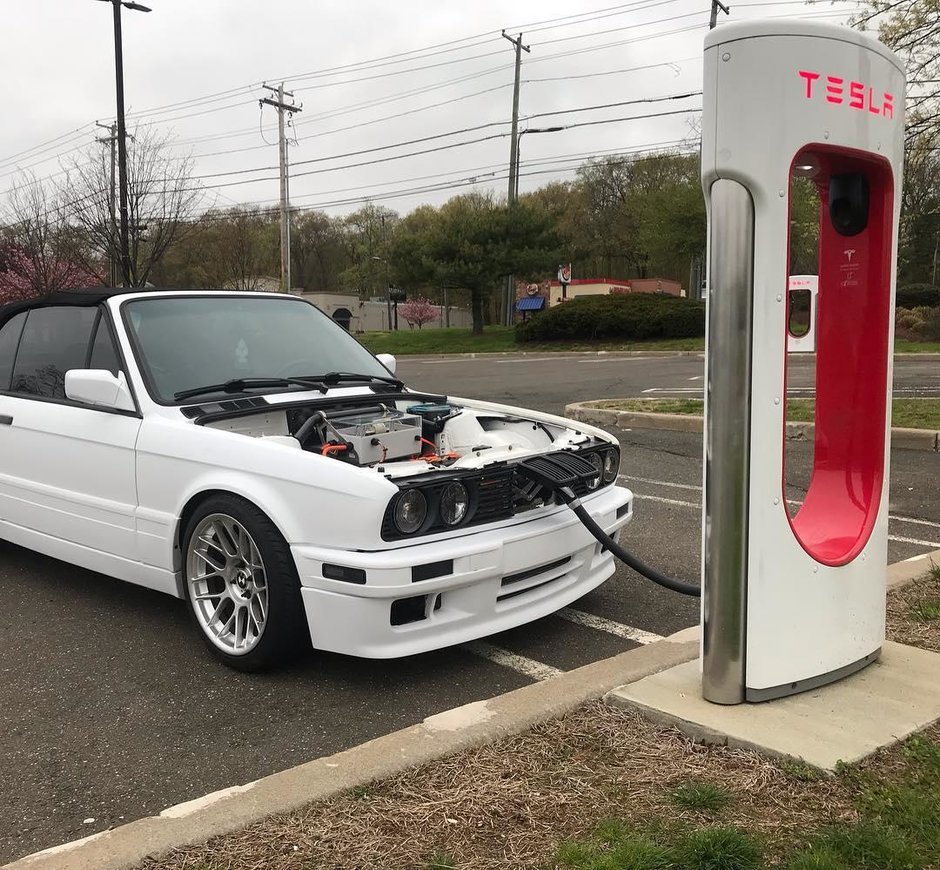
494,497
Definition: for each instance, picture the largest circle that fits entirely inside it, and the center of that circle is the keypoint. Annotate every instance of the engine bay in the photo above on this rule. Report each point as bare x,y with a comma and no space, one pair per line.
404,437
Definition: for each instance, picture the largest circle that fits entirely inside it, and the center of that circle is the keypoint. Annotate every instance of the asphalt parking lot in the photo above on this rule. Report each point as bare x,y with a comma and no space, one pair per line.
110,708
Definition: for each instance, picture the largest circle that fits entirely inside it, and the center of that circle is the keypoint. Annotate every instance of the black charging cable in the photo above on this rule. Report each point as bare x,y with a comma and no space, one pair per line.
625,556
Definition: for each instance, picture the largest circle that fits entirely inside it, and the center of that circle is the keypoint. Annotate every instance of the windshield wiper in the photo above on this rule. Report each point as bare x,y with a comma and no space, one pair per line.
353,377
238,385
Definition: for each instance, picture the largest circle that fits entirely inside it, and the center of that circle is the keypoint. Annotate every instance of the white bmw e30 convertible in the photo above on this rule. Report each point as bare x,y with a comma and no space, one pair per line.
243,452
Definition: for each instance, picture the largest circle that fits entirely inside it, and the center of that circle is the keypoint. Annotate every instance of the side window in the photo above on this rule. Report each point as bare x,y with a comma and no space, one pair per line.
9,339
54,340
104,354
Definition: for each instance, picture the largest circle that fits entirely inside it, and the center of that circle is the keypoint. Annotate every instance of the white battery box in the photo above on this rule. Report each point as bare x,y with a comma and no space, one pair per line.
379,438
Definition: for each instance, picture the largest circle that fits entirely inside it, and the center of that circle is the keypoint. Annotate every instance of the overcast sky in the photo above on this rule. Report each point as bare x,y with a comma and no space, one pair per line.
368,74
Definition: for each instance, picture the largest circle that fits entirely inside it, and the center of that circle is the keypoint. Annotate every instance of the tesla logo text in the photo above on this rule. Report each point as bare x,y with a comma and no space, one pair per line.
849,253
857,95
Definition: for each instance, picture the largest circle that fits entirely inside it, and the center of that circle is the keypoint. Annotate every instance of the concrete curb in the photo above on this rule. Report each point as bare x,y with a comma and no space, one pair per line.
902,574
584,412
443,734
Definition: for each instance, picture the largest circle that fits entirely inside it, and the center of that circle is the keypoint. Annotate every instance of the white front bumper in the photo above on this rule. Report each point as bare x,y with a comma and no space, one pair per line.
495,583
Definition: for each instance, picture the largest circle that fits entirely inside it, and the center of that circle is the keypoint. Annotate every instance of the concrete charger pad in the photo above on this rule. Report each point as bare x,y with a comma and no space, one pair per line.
844,721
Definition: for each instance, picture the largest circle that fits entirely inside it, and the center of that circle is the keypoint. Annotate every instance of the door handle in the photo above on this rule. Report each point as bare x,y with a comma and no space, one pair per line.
6,420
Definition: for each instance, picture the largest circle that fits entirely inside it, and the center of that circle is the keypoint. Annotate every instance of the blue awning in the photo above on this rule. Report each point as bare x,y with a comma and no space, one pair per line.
530,303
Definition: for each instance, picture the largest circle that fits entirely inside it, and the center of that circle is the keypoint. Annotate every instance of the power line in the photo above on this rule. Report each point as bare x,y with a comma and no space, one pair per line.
448,134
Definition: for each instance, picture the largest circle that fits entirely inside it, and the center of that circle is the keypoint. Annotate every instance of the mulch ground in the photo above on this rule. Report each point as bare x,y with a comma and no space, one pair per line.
908,612
509,804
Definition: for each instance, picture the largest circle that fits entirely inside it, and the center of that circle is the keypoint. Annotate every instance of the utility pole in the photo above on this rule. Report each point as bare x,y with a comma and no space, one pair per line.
121,127
112,140
283,109
513,167
716,5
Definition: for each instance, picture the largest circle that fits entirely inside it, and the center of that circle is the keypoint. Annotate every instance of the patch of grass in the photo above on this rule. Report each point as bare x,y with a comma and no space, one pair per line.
720,849
926,611
800,771
441,861
902,346
701,796
907,413
614,846
862,846
501,339
934,572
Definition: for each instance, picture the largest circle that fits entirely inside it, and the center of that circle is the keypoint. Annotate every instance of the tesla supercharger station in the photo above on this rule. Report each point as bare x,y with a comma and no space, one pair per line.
802,287
794,595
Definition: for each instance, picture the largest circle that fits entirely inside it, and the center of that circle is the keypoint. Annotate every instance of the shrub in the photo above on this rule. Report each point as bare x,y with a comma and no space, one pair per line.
918,295
929,328
631,317
917,324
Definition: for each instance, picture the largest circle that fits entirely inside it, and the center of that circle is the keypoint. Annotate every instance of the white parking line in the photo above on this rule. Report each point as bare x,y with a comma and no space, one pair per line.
668,483
658,498
933,525
934,545
896,538
522,665
616,359
591,620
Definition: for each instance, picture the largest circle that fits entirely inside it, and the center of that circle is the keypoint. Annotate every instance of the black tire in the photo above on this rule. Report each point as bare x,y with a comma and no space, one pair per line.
284,634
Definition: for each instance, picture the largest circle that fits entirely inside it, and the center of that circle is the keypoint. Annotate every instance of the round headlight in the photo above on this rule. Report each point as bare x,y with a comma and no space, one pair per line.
454,503
611,464
411,509
598,462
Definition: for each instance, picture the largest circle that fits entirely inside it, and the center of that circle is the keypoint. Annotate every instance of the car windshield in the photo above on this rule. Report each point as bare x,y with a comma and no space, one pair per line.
184,343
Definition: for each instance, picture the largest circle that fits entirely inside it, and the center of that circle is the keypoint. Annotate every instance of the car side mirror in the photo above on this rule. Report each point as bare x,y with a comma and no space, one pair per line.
388,361
98,387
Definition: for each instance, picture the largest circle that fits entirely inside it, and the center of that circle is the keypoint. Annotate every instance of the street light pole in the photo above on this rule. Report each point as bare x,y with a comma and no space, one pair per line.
519,155
936,249
122,130
388,294
509,311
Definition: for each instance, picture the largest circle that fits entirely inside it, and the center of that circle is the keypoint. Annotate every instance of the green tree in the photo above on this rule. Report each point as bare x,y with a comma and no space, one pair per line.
472,242
365,236
637,215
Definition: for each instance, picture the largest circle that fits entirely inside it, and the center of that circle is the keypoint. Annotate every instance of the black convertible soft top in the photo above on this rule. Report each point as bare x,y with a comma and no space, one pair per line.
81,296
91,296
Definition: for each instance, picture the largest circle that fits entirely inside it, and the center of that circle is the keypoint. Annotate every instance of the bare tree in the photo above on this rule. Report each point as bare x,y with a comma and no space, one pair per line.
912,29
245,247
41,250
162,199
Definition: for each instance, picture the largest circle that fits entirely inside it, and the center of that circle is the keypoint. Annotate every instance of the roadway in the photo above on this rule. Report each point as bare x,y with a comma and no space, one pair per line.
110,708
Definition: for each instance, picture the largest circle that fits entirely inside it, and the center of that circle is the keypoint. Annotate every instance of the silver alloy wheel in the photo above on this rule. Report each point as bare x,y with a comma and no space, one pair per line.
227,584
